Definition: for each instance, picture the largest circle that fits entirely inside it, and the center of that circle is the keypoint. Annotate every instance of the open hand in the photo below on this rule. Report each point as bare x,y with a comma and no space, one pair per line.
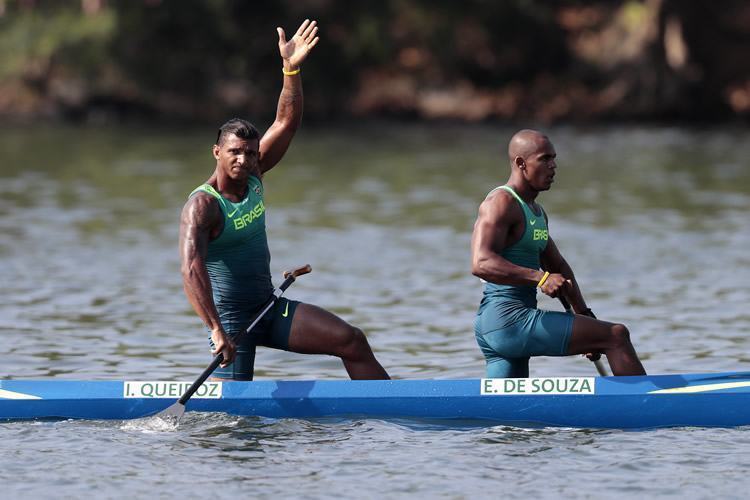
295,51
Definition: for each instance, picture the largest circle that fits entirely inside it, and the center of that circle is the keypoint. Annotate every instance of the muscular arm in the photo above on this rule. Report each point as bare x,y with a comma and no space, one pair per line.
498,214
277,138
553,261
200,216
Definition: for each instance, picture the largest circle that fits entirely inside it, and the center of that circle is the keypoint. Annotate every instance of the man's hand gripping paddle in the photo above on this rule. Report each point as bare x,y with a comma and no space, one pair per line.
175,412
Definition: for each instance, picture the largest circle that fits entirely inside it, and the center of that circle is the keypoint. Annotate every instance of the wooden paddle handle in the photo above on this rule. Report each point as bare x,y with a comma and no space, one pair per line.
299,271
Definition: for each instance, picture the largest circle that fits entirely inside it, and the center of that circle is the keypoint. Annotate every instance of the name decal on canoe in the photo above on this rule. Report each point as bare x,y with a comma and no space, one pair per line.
537,386
162,389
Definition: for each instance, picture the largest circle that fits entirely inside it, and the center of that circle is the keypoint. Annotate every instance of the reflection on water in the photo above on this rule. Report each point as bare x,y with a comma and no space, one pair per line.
654,221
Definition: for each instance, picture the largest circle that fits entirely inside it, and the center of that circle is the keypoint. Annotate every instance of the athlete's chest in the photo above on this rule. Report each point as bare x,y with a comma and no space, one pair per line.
529,229
247,213
242,219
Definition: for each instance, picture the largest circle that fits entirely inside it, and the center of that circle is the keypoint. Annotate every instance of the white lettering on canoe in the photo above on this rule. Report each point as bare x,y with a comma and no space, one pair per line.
537,386
162,389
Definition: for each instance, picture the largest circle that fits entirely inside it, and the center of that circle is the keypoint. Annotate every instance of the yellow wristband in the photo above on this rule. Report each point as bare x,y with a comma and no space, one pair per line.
544,278
291,73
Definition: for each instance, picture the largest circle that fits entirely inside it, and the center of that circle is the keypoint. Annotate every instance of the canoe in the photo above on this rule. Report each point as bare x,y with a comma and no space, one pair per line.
703,400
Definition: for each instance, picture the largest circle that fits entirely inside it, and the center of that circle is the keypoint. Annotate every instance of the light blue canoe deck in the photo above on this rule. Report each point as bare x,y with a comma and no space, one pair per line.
704,400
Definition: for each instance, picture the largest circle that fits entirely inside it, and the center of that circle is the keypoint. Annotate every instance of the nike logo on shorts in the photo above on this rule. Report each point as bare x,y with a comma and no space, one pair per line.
286,311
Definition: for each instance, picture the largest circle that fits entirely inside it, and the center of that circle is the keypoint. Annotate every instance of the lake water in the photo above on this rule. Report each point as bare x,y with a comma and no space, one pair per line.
654,221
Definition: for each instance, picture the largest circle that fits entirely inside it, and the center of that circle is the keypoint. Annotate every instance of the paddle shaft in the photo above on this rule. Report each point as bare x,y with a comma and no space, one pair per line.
598,362
290,277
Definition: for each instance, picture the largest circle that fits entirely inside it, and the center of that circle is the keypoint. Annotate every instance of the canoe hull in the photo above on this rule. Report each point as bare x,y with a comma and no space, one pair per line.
702,400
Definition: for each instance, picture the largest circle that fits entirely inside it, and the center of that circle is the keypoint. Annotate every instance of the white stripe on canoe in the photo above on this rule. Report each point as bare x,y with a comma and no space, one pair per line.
16,395
702,388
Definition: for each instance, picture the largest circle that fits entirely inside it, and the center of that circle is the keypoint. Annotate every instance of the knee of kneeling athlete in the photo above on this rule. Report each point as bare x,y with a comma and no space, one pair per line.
353,342
620,334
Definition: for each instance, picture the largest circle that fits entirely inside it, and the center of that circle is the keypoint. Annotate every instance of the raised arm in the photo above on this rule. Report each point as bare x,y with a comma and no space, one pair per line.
200,216
277,138
498,214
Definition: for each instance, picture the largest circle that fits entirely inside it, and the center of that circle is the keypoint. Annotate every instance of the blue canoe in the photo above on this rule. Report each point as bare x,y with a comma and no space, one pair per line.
704,400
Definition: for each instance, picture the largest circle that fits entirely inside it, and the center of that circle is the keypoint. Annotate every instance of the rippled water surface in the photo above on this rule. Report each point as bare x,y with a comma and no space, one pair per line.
654,222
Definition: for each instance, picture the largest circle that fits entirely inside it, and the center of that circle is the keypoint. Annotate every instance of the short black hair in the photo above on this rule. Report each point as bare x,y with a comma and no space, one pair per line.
239,127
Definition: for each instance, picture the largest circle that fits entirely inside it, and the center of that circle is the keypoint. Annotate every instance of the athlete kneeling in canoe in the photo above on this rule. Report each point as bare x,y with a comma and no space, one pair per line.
224,251
513,252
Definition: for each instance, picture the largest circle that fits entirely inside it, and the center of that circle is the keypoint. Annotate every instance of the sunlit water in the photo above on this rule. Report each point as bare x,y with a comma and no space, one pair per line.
653,221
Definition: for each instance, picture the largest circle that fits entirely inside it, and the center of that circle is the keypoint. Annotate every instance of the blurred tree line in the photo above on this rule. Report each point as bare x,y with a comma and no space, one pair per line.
204,60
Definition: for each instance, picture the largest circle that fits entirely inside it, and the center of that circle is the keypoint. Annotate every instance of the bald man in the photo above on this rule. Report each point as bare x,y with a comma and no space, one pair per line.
512,251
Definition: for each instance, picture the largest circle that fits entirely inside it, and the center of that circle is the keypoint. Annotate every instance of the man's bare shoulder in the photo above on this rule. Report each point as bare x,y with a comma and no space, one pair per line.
499,204
202,208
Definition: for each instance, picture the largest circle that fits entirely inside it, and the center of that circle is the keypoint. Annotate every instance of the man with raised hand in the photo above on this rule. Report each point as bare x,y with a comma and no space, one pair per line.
224,250
513,252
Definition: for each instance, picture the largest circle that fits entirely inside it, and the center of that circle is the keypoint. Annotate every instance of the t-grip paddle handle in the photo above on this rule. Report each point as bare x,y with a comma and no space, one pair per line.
290,277
597,362
297,272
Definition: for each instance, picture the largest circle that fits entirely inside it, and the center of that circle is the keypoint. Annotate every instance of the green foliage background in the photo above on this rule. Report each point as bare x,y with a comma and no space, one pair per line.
474,60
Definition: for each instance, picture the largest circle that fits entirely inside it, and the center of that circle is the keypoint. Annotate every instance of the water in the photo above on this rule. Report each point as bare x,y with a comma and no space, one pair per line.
653,221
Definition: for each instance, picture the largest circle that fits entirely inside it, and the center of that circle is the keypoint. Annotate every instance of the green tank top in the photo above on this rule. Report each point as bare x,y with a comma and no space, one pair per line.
525,252
238,260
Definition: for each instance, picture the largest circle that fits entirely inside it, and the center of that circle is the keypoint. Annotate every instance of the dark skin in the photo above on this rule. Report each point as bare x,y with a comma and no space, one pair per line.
500,223
314,330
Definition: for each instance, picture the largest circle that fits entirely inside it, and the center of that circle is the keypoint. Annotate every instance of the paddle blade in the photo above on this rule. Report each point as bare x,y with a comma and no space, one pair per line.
173,414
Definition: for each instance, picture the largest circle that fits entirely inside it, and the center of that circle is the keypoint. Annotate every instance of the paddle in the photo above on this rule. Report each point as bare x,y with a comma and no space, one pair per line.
174,412
597,362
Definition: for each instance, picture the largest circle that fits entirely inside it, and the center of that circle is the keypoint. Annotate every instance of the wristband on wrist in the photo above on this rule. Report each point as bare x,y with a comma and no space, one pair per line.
544,278
291,73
